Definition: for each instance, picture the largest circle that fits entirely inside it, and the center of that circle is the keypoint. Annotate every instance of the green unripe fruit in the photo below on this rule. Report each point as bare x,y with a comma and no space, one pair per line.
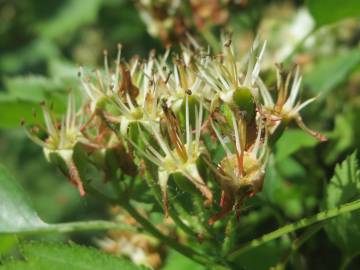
244,101
227,112
193,103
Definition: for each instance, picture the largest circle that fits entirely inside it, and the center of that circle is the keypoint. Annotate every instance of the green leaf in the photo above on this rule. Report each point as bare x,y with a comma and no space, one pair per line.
344,187
291,141
330,72
32,88
45,256
7,243
18,216
12,111
37,51
287,195
333,10
62,69
71,16
21,100
270,253
342,137
177,261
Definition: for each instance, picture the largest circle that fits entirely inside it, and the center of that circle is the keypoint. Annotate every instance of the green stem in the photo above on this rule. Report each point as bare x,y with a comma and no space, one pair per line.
306,236
300,241
345,262
210,38
305,222
172,212
72,227
149,227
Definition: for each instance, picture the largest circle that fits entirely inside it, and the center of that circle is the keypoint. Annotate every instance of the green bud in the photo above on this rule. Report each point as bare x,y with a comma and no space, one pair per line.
102,103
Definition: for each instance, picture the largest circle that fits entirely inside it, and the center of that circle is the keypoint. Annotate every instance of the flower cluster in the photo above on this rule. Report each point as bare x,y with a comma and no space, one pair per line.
164,114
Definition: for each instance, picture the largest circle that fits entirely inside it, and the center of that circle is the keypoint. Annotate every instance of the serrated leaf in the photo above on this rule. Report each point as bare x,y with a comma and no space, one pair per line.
333,10
291,141
331,71
42,256
344,187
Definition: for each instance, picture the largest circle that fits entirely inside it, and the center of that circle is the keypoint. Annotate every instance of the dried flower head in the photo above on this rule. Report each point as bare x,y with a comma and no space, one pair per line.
59,139
287,107
163,112
241,172
177,155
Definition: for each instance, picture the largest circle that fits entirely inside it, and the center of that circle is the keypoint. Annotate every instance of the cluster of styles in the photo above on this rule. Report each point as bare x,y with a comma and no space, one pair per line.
160,117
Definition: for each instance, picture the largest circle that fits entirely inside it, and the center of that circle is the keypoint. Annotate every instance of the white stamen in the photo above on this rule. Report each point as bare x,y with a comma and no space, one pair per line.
237,137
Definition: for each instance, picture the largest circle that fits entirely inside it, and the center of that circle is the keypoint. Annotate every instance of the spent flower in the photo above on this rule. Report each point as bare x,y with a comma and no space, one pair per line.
287,107
241,172
179,155
166,112
60,139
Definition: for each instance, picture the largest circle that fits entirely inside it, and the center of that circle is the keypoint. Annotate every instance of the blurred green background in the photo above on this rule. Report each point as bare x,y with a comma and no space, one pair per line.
43,43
